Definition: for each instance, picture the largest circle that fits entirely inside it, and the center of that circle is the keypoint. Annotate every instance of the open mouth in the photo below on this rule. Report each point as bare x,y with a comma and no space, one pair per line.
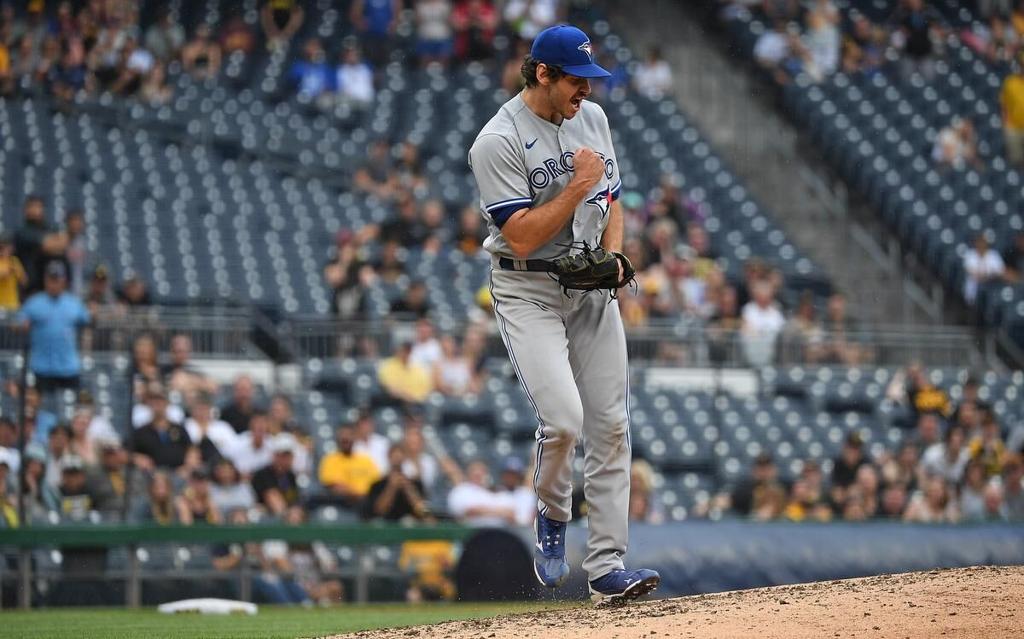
576,102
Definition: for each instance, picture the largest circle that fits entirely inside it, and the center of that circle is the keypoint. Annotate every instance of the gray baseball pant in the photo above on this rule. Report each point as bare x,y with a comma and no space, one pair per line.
570,355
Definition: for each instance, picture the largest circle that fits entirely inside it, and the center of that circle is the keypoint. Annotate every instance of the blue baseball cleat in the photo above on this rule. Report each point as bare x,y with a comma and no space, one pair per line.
622,586
549,555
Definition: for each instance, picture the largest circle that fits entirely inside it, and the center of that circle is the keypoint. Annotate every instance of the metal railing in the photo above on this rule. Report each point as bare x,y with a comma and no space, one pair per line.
685,343
241,332
133,536
219,331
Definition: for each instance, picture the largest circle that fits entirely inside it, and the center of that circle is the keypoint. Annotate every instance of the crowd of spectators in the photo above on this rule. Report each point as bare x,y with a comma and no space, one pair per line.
679,276
815,39
914,37
957,464
195,453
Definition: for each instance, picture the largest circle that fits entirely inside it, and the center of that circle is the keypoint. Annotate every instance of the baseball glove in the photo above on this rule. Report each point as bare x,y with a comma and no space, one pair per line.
592,269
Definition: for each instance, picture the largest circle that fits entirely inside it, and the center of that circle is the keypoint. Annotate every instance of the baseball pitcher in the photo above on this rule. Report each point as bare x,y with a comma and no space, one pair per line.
548,182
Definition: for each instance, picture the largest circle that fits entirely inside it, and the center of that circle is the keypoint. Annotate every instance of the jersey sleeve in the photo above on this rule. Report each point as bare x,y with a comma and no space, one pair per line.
501,177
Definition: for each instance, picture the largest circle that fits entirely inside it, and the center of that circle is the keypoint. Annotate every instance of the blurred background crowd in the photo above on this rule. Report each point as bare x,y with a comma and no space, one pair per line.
199,452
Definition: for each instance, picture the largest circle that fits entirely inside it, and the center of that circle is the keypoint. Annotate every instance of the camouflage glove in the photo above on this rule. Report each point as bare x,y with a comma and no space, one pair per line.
593,268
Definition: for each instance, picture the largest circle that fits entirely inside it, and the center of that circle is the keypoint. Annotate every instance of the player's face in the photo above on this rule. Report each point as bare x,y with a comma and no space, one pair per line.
567,95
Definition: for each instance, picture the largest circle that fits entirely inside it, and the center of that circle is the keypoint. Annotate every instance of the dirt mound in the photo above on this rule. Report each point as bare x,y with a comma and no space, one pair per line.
968,602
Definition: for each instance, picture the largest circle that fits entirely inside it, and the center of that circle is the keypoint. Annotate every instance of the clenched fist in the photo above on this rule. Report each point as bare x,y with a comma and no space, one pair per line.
587,166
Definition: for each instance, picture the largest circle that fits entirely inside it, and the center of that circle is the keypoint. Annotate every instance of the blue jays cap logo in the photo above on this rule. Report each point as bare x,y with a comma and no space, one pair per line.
564,46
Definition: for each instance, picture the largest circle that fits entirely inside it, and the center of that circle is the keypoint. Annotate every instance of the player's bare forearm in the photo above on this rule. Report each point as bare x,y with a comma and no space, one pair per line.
612,238
529,229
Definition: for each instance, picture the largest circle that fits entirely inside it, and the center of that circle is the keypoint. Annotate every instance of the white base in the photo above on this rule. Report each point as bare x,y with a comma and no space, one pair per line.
209,606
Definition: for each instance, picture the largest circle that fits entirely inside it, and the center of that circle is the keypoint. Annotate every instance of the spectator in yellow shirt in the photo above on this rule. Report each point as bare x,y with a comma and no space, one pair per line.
402,379
346,474
1012,100
6,79
12,275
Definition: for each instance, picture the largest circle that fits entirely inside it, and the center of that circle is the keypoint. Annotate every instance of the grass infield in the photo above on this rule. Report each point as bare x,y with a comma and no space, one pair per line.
271,622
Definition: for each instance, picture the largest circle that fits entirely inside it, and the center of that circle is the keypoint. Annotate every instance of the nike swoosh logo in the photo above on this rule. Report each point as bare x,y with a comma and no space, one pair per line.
529,145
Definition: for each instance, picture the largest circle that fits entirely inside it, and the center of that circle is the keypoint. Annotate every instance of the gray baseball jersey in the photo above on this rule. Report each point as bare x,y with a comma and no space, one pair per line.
569,352
521,160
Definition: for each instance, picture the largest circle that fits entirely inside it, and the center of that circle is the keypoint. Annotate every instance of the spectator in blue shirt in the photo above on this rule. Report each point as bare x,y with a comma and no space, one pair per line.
375,22
312,75
53,317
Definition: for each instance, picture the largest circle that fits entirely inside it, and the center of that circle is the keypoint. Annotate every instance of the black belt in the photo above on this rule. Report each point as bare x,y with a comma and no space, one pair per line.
541,266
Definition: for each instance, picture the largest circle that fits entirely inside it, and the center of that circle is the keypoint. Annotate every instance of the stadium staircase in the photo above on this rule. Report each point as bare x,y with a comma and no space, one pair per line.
735,110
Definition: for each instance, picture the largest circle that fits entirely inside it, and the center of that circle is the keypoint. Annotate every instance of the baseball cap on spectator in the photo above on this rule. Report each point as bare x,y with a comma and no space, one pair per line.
199,474
853,440
685,252
105,443
56,270
566,47
283,443
513,465
35,451
72,463
101,272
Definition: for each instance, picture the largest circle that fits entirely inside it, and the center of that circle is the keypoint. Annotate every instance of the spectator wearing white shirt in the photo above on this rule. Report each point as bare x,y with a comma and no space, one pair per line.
822,41
529,17
370,442
214,437
762,323
828,10
252,449
281,419
419,463
137,64
514,488
955,145
433,31
354,79
99,425
982,265
454,373
165,37
227,490
9,445
947,458
426,349
474,503
142,413
653,77
772,46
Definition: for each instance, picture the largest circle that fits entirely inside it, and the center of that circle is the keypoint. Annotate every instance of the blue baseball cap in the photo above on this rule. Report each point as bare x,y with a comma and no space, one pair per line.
568,48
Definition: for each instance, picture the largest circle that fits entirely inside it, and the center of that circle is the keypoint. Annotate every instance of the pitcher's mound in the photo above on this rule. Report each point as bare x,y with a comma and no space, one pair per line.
973,603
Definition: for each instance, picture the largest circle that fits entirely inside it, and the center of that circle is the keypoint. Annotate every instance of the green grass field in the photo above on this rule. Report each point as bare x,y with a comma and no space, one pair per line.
270,623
